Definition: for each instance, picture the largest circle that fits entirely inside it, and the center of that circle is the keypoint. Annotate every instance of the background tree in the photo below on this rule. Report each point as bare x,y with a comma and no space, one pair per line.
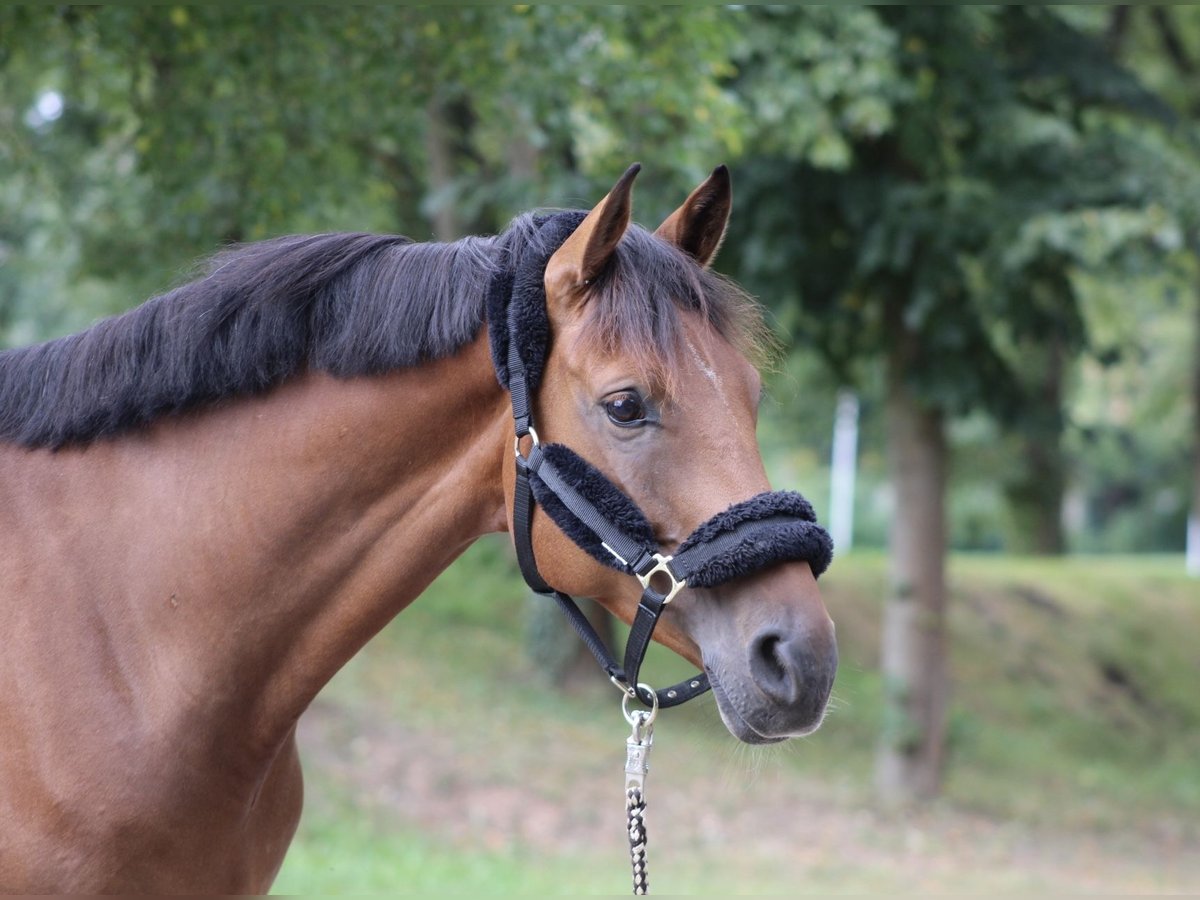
1161,43
940,248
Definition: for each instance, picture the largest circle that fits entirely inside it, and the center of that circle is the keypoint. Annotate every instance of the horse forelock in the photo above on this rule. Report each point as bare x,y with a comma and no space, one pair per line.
634,309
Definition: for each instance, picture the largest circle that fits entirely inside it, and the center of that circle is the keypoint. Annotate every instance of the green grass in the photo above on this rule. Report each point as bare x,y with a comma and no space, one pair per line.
334,854
1074,710
1074,684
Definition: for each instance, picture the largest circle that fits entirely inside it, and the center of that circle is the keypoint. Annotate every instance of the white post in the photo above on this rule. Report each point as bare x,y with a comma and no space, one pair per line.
843,465
1193,545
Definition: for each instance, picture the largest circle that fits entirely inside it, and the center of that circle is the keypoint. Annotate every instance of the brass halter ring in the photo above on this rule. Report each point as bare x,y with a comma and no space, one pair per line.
662,564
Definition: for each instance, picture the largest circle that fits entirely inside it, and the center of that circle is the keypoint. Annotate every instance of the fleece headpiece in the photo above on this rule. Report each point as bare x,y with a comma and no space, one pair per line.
518,320
763,531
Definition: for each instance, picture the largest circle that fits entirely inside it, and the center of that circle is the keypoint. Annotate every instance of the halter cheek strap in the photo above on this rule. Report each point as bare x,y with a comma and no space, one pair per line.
760,532
625,553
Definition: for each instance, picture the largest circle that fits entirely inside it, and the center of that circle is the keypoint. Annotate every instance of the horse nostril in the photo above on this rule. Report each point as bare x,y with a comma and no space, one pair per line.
774,669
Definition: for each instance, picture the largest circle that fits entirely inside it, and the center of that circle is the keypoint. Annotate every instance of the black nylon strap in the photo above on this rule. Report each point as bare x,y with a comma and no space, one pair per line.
588,633
523,530
634,554
523,541
518,389
681,692
649,610
667,697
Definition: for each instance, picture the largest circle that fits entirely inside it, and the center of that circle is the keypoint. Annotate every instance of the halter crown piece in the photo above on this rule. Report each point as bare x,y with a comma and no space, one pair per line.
762,531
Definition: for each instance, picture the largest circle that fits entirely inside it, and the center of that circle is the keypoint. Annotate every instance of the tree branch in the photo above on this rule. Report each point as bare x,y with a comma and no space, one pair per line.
1118,28
1169,37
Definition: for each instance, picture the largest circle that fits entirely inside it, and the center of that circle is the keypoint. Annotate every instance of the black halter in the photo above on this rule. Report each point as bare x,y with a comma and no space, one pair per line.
766,529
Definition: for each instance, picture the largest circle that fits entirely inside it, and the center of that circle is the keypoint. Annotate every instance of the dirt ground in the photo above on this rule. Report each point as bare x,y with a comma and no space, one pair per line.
563,796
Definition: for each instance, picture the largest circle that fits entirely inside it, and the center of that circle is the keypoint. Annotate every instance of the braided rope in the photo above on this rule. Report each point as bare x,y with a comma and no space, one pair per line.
635,809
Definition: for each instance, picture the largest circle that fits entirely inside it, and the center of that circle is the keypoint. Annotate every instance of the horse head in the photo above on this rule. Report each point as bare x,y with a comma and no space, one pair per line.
650,380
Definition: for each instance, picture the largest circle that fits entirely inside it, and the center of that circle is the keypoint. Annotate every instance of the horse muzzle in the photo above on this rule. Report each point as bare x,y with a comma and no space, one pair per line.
777,684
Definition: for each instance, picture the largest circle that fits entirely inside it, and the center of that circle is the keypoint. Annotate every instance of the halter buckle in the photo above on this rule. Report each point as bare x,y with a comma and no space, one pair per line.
662,564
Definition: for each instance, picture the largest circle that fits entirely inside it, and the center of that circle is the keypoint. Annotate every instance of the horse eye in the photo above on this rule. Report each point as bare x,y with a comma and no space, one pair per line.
626,408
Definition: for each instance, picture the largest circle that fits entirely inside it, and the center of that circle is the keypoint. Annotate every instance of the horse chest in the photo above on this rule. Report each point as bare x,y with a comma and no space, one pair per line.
151,819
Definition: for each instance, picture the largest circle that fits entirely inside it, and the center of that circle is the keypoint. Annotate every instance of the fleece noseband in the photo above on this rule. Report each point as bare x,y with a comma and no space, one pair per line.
755,534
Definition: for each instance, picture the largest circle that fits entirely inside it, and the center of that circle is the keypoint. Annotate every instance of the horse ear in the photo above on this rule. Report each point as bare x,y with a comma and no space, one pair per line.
698,227
587,251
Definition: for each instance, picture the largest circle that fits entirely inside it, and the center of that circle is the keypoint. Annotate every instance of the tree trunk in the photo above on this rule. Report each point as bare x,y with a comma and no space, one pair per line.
914,645
439,150
1118,29
1035,503
521,152
1035,494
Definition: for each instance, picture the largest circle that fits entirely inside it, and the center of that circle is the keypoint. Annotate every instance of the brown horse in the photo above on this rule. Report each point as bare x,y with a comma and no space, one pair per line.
210,503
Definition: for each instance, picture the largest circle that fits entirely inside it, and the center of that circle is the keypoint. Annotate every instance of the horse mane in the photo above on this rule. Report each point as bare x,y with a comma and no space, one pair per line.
346,304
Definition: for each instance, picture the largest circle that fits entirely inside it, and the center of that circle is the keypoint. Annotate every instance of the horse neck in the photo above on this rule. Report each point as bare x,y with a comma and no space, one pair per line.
264,542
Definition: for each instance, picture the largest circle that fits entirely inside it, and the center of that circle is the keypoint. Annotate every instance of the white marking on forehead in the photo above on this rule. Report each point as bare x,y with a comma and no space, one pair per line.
704,368
714,379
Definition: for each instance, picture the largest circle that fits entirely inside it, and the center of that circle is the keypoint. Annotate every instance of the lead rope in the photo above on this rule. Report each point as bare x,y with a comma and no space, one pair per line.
637,764
635,812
